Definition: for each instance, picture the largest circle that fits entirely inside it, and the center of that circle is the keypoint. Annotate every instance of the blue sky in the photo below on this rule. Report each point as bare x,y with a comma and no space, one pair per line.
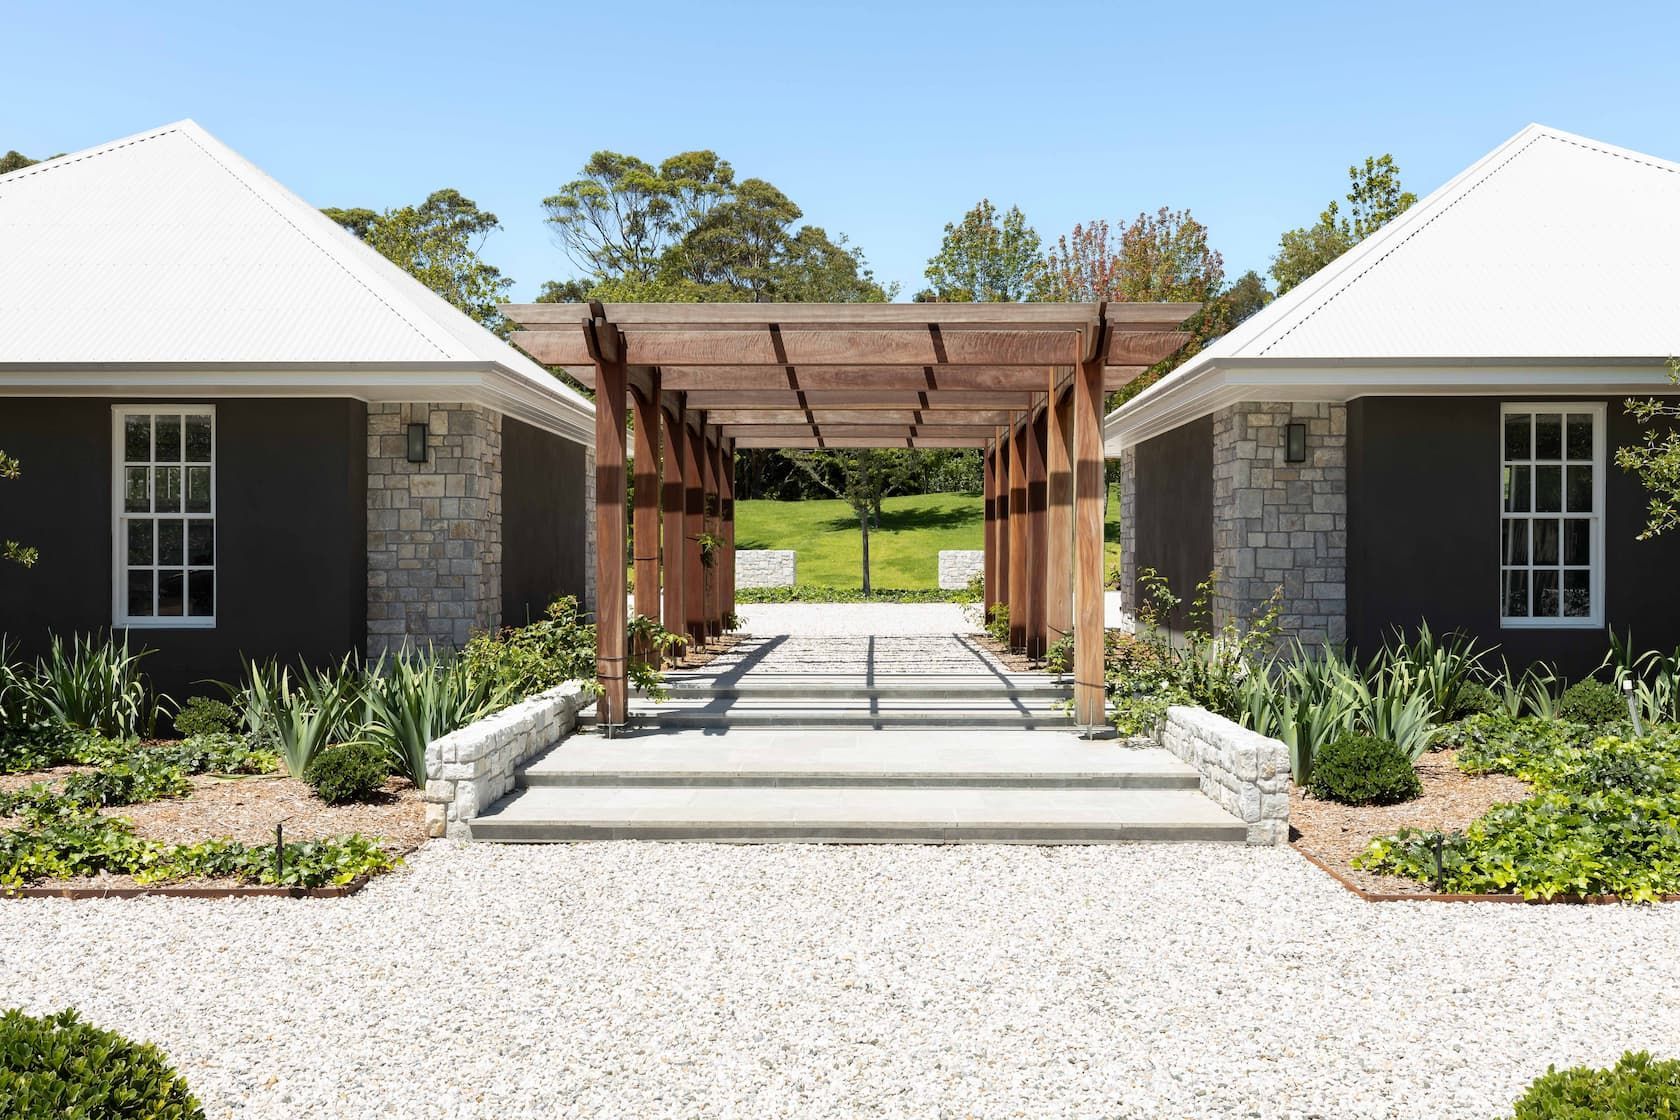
883,121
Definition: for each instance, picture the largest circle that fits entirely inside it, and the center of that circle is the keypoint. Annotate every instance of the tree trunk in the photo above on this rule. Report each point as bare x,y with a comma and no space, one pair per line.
863,524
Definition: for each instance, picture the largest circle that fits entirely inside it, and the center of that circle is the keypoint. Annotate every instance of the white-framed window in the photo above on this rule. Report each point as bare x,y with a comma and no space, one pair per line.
1551,514
164,515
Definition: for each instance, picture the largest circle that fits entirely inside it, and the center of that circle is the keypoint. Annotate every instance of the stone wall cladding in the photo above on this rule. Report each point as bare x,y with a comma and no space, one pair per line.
1244,771
434,535
469,769
958,567
766,567
1128,531
1279,524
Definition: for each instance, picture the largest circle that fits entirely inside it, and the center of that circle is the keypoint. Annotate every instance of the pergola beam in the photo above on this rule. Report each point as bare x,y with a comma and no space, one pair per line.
985,418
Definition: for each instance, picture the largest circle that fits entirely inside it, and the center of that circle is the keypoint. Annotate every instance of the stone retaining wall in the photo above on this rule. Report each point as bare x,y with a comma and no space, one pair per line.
958,567
765,567
469,769
1244,771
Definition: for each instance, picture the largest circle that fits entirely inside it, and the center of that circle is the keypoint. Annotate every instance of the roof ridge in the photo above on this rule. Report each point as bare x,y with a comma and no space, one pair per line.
1389,250
407,320
41,167
1656,163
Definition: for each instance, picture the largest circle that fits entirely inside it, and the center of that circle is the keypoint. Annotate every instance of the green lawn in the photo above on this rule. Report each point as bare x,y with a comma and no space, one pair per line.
903,551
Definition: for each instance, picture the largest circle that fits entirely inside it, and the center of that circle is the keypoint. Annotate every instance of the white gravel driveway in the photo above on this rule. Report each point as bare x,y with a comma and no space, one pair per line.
624,980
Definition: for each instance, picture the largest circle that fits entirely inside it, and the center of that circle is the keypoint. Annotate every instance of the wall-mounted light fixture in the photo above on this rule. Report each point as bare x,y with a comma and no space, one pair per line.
1295,443
417,443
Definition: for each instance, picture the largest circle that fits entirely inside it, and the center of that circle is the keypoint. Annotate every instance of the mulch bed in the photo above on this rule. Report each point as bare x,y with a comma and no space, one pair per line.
245,809
1008,658
1333,834
696,658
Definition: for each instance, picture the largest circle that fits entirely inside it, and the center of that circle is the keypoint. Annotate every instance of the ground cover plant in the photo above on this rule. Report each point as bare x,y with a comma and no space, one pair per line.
1637,1087
58,1065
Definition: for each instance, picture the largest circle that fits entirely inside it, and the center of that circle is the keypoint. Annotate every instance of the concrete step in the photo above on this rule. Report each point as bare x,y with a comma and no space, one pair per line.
860,759
794,712
851,815
1015,686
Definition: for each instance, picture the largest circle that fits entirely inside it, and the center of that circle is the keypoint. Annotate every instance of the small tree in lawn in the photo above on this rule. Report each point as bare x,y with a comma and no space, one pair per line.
1657,460
861,478
12,550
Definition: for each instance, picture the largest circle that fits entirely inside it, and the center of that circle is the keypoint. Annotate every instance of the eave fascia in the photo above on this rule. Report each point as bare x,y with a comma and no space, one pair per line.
1340,380
488,384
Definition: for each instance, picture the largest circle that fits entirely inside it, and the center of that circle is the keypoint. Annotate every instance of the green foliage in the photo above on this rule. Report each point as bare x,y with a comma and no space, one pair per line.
1363,770
523,661
204,716
306,711
143,776
350,772
997,623
59,1066
1637,1087
1655,460
93,684
1059,657
1593,703
438,243
39,746
1605,817
1374,198
223,753
1473,698
986,258
811,593
1655,678
413,698
11,469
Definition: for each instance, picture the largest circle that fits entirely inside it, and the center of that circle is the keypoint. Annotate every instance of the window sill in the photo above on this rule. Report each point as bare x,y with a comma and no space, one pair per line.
1550,624
164,624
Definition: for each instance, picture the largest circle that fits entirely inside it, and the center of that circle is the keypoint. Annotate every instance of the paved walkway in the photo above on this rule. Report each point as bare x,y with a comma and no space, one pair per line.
859,618
702,981
778,653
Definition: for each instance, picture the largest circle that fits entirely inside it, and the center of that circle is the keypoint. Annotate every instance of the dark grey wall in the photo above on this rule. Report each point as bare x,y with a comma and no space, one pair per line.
1174,515
1423,534
543,542
291,533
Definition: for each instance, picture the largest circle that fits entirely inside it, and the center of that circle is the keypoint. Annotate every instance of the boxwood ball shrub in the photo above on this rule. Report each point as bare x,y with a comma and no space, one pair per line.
1636,1086
1474,698
1593,703
58,1065
347,772
204,716
1363,770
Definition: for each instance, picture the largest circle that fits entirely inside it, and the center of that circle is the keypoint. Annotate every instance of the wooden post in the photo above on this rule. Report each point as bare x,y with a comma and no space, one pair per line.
607,348
710,472
1036,554
694,523
1001,487
1020,564
726,477
672,498
988,488
1058,519
644,528
1089,704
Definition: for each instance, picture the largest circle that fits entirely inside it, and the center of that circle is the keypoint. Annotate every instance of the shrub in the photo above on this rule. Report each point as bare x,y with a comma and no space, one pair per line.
1593,703
204,716
1635,1088
57,1065
222,754
810,593
997,624
304,713
143,776
95,684
1474,699
524,661
1363,770
414,698
347,772
1059,657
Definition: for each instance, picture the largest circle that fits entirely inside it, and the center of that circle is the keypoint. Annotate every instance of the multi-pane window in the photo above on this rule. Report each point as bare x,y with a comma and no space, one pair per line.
1551,538
165,515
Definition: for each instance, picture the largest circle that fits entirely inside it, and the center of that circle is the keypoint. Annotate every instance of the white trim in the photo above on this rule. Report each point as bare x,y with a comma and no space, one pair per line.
120,618
1595,582
1341,381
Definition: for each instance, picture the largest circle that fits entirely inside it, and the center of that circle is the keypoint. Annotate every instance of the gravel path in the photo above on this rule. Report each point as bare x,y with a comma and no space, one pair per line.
711,981
857,618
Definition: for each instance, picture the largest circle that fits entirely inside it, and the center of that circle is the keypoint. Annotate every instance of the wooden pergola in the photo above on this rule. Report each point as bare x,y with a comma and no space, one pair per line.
1022,382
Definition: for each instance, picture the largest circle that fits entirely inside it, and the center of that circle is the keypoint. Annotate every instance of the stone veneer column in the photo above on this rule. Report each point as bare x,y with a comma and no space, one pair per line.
434,529
1128,531
1278,524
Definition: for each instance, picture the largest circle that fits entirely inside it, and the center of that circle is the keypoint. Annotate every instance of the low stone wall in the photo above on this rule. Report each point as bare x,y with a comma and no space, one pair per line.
1244,771
958,567
765,567
468,769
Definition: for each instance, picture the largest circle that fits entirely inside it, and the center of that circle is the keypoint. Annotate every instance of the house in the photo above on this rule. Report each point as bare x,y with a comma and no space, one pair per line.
1425,430
245,433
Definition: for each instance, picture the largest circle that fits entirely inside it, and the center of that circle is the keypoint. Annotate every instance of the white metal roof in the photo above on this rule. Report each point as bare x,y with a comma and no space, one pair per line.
1553,263
166,262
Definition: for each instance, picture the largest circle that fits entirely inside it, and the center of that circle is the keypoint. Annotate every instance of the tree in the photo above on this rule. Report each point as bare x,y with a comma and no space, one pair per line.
12,550
622,214
986,260
1656,460
438,243
15,160
861,478
1246,295
1374,198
